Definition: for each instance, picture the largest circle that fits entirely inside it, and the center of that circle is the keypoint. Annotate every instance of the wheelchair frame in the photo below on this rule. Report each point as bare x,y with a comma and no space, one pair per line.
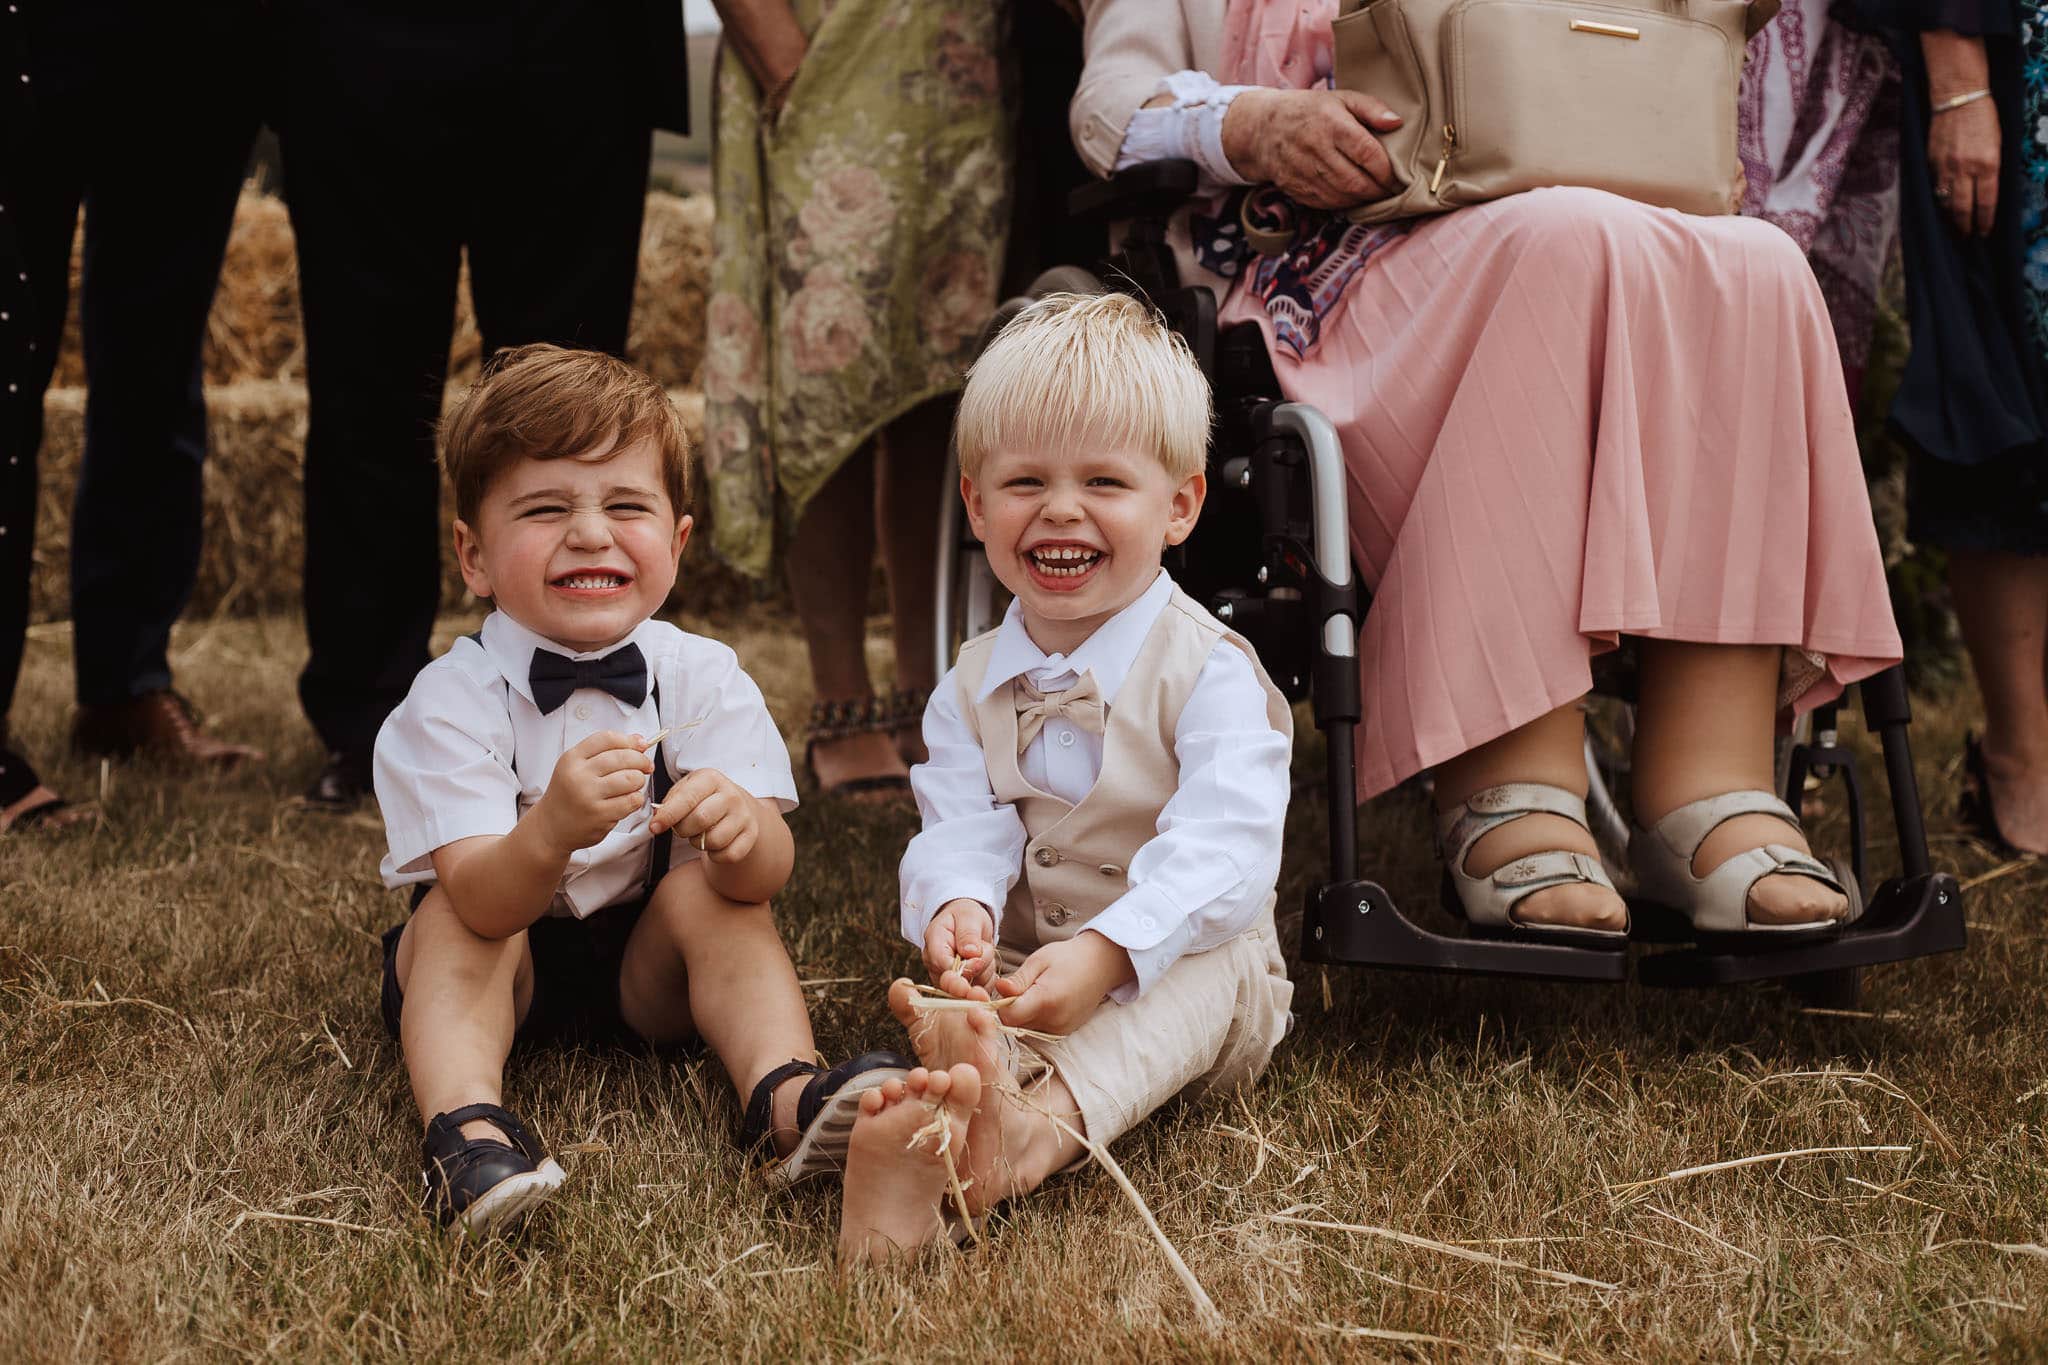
1305,583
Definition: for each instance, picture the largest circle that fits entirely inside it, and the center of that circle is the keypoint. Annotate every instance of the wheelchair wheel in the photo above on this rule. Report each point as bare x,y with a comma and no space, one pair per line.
970,600
1610,733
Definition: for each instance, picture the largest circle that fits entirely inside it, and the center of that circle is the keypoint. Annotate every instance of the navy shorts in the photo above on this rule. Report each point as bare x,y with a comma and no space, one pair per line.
575,975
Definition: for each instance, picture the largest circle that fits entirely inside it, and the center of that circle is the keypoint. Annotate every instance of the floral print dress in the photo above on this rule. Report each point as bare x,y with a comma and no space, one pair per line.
2034,161
856,252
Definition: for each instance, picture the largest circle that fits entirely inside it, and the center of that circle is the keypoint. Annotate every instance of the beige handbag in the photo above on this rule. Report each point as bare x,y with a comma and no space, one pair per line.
1499,96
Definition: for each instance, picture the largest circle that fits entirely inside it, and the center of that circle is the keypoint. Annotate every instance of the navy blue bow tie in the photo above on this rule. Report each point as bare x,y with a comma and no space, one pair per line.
552,677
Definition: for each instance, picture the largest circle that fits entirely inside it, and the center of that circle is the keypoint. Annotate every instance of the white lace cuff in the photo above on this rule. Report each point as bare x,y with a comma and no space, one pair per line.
1191,128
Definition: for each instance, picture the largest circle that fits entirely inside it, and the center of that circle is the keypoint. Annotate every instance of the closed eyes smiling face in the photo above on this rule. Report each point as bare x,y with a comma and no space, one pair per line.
580,550
1076,538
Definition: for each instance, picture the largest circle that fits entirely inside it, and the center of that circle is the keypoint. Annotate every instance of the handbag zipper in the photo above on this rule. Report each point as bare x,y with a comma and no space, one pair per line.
1450,145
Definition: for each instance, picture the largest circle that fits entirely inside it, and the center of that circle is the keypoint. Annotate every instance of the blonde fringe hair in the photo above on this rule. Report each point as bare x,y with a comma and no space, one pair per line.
1078,369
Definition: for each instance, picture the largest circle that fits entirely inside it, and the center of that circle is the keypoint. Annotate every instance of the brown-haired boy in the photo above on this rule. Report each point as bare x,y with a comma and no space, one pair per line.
549,896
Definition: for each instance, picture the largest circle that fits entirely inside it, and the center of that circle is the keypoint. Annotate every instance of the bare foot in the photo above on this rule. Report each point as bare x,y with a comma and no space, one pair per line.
2019,797
946,1038
1780,899
896,1163
40,799
1579,905
836,762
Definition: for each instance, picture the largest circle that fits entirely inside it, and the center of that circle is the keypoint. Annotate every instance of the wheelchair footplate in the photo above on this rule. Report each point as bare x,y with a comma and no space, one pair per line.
1916,914
1356,924
1907,917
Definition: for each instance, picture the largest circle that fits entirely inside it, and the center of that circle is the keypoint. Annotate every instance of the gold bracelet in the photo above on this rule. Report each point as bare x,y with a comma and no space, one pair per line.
1969,97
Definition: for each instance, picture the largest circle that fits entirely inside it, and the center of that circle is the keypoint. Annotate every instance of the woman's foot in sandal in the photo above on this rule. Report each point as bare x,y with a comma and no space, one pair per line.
1738,862
851,752
1520,858
907,705
2005,799
897,1169
25,803
1781,898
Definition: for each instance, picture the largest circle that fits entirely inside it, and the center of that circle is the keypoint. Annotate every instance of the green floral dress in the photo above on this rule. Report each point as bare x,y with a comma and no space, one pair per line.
856,252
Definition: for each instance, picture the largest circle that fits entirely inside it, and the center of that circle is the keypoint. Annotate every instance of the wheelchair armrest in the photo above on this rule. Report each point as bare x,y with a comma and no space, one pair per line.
1151,189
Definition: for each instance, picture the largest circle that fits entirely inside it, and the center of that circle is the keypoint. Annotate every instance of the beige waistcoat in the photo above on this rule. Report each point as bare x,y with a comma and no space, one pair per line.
1077,859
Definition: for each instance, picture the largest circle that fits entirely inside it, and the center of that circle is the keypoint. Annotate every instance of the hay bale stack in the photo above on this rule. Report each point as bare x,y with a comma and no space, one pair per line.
253,332
667,334
254,549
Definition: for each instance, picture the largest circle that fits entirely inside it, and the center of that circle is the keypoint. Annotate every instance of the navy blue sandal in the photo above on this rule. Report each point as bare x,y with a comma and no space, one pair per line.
481,1185
825,1112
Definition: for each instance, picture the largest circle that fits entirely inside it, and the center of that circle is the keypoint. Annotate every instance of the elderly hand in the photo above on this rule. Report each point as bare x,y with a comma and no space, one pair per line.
1963,150
1317,146
1963,142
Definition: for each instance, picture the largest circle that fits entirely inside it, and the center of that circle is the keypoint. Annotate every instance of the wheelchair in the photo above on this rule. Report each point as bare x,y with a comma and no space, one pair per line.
1272,559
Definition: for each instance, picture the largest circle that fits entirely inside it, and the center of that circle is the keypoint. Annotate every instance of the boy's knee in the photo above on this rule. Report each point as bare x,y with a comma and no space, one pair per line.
686,894
439,935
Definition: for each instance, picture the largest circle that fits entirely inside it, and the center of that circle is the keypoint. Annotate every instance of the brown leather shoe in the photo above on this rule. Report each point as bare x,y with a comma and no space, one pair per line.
160,725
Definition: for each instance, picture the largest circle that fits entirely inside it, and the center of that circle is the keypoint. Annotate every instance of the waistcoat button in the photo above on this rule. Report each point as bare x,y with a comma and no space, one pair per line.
1057,914
1046,857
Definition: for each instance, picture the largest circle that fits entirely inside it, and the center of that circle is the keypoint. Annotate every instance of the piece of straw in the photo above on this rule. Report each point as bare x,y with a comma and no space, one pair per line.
1203,1303
1409,1239
941,1129
1690,1171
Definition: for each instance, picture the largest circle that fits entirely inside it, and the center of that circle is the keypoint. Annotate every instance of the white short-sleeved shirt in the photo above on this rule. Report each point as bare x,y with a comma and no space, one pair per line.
467,752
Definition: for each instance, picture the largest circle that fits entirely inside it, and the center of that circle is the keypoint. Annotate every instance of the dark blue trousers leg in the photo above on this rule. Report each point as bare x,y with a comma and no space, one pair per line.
154,237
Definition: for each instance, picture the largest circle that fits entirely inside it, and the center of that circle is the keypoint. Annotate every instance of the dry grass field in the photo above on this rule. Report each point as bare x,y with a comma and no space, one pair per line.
206,1147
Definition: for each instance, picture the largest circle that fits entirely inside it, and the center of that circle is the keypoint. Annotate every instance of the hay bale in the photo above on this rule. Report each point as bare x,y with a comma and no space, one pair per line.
667,336
253,554
253,332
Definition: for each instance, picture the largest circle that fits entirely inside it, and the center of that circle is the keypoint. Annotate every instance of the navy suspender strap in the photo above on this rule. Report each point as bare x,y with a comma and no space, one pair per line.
658,851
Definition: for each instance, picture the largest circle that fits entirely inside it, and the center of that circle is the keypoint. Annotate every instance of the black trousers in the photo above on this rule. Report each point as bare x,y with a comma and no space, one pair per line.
402,149
151,133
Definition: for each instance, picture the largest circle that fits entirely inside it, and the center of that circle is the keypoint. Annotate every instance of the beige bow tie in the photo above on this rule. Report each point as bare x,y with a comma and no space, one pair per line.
1079,705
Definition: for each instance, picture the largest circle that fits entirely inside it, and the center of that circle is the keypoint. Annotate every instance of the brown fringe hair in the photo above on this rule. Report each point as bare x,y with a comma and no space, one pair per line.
544,402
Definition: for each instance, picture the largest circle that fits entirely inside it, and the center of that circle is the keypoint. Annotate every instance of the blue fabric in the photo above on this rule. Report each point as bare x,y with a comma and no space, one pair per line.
2034,164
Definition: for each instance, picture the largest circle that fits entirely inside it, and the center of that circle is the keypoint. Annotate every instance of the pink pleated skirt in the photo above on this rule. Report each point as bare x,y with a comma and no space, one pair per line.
1568,417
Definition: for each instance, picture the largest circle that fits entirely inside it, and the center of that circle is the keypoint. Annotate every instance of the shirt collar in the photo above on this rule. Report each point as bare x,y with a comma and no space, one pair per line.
511,645
1108,653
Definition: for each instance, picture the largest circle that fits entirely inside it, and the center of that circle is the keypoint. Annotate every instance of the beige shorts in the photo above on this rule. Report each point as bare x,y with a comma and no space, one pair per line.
1209,1025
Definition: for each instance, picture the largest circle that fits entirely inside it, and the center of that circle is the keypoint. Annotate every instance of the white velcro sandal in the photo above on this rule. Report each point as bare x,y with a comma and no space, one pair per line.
1718,903
1489,902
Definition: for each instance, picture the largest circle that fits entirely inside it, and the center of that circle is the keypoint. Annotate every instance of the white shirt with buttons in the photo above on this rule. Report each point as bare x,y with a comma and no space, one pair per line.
468,753
1200,882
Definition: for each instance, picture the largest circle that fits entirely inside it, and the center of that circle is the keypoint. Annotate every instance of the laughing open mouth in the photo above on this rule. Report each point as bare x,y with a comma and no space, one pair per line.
1064,561
595,581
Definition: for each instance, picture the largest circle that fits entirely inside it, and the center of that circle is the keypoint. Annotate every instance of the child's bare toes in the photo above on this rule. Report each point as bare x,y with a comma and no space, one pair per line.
911,1133
903,1002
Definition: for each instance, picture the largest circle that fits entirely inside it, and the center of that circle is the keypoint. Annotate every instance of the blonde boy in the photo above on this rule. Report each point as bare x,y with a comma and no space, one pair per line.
1105,794
552,896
